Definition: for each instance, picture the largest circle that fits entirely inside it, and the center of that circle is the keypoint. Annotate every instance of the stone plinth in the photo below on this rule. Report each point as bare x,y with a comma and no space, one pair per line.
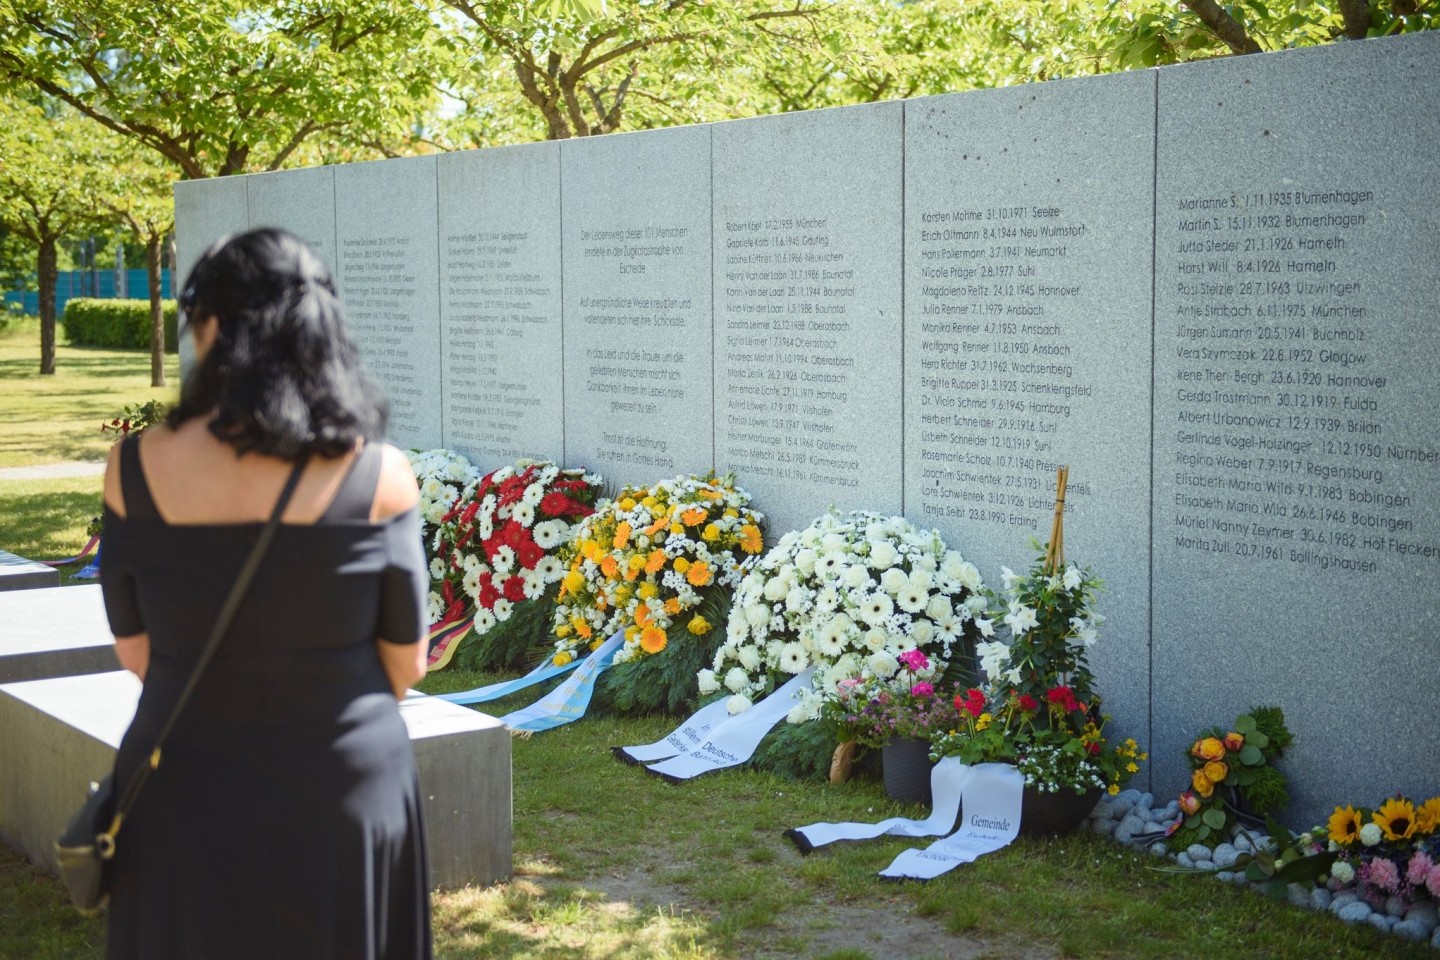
58,735
54,632
17,573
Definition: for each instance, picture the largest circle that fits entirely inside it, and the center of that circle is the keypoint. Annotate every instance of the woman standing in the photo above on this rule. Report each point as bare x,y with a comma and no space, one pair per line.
284,818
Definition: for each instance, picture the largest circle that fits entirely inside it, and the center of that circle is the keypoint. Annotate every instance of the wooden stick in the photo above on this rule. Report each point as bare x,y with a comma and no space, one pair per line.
1055,551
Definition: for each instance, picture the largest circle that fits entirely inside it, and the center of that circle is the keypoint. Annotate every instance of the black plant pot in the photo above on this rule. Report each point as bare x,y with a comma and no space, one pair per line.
1053,814
906,764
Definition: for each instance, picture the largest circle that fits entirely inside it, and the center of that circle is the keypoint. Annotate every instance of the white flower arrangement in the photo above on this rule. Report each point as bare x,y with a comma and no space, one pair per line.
441,474
849,595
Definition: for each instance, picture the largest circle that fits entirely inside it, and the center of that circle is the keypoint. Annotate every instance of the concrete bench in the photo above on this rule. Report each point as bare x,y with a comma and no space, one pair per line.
17,573
58,735
54,632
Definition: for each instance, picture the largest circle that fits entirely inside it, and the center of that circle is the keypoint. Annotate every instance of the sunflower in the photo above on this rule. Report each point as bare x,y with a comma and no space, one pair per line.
1427,817
1344,825
1396,817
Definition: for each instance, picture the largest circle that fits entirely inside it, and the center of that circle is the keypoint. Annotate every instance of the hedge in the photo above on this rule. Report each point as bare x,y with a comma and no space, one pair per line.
90,322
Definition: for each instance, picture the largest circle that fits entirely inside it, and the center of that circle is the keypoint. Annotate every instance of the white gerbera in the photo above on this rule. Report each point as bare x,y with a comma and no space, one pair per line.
502,609
549,568
549,534
437,568
876,608
912,600
793,658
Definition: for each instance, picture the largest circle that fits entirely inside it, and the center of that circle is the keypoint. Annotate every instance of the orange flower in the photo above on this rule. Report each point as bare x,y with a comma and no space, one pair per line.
583,628
622,535
699,574
693,516
1202,783
751,540
642,614
656,562
710,494
1209,748
609,567
652,640
1189,803
657,526
1234,741
672,606
1216,772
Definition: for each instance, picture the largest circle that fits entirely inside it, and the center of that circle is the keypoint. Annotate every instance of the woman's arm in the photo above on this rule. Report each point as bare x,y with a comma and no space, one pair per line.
395,493
134,653
404,664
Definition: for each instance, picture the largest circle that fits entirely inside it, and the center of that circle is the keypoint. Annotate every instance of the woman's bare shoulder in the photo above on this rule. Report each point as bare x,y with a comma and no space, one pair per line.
396,490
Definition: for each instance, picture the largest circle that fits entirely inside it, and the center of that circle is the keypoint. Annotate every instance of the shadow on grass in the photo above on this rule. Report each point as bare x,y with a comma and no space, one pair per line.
39,526
37,921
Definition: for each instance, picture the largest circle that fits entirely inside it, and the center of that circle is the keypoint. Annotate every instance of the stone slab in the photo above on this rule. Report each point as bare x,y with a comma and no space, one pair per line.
1297,541
300,201
388,266
636,215
205,211
54,632
17,573
807,318
58,735
1027,339
501,335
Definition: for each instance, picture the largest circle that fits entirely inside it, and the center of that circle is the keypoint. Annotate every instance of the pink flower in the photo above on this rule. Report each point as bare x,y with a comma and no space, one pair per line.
1432,881
1382,873
922,689
1419,868
914,660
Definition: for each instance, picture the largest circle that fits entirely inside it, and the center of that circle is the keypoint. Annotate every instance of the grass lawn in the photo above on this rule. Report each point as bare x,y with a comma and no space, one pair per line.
611,862
57,418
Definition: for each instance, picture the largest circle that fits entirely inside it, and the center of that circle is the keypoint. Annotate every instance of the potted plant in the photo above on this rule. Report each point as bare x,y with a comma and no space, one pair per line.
898,716
1037,707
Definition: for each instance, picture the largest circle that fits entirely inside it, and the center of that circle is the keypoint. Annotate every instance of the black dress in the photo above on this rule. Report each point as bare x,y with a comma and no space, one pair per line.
284,819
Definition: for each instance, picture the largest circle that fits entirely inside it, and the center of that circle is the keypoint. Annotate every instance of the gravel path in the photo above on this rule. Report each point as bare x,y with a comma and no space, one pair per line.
49,471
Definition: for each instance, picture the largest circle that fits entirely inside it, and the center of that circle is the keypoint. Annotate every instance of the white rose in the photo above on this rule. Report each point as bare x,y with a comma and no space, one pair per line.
736,679
893,581
737,704
938,608
874,639
805,561
797,714
707,682
883,664
922,632
749,656
774,589
758,615
854,575
883,555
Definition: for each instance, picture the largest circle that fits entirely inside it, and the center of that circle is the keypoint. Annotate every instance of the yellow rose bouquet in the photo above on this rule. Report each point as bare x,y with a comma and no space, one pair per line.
659,565
1232,779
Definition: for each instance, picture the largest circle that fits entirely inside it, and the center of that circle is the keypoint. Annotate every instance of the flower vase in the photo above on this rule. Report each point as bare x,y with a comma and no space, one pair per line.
1053,814
906,765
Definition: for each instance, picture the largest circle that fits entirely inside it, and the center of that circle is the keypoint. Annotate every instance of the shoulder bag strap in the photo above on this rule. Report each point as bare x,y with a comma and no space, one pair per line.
105,842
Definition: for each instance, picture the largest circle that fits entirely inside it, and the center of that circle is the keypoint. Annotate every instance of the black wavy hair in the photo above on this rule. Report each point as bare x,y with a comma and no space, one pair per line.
283,377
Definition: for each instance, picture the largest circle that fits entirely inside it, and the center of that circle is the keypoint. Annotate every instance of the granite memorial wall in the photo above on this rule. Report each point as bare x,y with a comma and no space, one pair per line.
1209,289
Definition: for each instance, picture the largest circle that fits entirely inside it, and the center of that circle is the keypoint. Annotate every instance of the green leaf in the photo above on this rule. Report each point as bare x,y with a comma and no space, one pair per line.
1251,756
1245,724
1214,818
1203,833
1257,739
1192,821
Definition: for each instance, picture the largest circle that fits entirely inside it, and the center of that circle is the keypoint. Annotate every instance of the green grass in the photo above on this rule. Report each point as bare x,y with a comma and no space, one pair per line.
611,862
57,418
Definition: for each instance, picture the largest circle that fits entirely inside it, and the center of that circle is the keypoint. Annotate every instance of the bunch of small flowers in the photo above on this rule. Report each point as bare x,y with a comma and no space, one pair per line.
1391,851
909,704
644,563
1231,774
496,553
441,474
136,418
1056,740
849,595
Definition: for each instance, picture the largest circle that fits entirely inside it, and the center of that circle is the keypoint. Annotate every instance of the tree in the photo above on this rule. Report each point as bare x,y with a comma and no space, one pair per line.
585,74
219,87
48,182
139,195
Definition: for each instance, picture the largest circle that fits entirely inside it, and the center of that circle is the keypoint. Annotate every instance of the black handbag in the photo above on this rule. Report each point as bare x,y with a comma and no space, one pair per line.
87,847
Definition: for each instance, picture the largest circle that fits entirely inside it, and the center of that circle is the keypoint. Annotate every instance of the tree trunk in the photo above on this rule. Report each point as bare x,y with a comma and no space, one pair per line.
48,274
157,315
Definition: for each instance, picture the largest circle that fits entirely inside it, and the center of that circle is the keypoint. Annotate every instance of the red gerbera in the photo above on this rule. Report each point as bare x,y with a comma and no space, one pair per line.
1027,702
514,589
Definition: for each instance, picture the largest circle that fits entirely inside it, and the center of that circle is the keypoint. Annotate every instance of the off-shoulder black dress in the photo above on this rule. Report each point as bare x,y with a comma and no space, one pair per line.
284,819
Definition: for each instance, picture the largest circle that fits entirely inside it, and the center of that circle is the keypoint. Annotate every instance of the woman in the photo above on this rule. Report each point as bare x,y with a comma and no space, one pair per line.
284,818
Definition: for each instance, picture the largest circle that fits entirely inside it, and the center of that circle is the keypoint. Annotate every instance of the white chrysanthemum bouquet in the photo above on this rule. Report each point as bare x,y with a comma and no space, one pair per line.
441,474
850,595
659,565
496,557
